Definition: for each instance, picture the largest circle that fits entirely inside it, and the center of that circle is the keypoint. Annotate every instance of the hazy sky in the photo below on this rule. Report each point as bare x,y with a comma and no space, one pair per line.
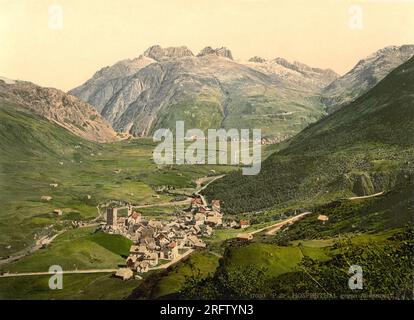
63,53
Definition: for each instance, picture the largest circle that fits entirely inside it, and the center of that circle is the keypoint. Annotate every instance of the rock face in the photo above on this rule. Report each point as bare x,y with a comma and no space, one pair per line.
221,52
106,82
257,59
158,53
6,80
67,111
298,75
209,90
365,75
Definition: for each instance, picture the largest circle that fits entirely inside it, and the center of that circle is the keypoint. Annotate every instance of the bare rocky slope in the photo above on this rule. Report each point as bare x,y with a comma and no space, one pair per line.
67,111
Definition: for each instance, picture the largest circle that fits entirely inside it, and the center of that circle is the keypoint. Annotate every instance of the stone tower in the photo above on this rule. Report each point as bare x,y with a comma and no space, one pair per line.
111,216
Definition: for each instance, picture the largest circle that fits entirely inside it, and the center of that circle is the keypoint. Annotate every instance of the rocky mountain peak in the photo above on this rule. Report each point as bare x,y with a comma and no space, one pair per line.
297,66
7,80
65,110
221,52
365,75
257,59
328,74
400,54
158,53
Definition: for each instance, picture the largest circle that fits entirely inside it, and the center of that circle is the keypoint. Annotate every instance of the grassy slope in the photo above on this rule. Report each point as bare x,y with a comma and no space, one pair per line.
369,225
275,259
200,264
196,114
363,148
278,260
388,212
204,263
363,221
76,249
266,109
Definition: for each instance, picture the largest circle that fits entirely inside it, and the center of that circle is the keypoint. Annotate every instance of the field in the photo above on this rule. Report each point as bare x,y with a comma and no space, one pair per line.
81,249
75,287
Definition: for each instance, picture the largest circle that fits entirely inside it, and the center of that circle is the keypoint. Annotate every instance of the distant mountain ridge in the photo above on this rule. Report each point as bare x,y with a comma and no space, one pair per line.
67,111
207,90
296,72
365,75
212,90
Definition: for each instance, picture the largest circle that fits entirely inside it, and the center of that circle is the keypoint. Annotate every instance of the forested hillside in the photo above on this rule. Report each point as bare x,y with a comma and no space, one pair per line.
364,148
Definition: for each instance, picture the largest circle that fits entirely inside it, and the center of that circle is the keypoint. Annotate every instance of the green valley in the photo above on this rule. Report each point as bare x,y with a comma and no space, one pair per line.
334,191
42,159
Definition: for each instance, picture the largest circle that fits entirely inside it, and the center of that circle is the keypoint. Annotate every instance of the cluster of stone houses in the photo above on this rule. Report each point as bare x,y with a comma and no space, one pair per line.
162,239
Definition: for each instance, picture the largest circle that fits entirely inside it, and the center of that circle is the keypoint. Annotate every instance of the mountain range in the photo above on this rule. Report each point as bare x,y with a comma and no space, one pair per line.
212,90
207,90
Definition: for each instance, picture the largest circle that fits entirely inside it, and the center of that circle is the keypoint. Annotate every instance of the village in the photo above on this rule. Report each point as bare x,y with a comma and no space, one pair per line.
168,241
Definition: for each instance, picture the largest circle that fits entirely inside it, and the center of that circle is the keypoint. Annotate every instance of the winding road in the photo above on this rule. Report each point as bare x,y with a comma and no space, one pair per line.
365,197
277,226
25,274
161,267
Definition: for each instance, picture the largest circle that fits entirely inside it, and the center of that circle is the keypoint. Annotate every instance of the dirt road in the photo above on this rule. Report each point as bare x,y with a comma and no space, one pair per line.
289,221
201,188
23,253
200,181
365,197
163,266
25,274
277,226
177,259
